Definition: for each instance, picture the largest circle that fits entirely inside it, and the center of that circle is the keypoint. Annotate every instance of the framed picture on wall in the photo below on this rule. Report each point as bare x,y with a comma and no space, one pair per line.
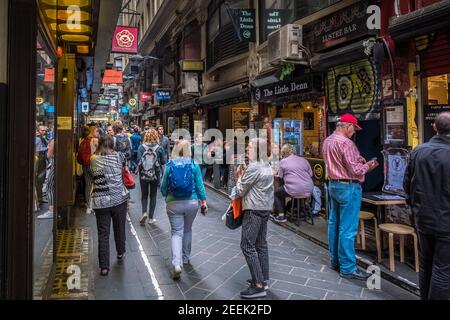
308,121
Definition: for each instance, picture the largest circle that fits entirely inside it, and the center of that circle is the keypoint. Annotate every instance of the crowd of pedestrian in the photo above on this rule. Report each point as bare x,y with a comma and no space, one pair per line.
179,175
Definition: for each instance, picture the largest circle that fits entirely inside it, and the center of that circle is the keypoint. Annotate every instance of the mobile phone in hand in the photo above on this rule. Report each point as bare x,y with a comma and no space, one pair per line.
203,209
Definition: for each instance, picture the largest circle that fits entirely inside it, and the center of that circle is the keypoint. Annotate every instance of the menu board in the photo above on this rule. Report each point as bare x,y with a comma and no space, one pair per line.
430,113
241,118
394,122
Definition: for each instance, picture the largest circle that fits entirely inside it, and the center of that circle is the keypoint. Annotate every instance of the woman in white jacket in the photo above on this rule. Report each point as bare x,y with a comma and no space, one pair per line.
255,187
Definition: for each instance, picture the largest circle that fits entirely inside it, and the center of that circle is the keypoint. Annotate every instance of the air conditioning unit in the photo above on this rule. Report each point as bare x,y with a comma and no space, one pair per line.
284,45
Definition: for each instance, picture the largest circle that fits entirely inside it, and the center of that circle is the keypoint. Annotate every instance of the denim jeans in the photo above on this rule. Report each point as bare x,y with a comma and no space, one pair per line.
181,216
146,188
345,204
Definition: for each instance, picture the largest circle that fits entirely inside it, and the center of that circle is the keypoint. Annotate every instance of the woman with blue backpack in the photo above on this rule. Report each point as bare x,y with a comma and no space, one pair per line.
151,161
183,188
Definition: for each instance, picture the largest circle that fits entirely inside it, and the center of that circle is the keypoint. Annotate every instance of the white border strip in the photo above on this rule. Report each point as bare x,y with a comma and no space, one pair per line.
146,262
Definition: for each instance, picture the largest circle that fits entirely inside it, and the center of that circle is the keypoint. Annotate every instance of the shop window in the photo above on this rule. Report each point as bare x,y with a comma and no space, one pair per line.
222,38
438,89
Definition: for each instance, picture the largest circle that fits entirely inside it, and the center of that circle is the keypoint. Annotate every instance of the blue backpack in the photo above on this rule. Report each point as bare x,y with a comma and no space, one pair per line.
181,179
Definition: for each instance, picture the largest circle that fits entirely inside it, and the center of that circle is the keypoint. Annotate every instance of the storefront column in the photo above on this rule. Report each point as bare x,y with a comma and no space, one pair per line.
18,150
420,87
3,88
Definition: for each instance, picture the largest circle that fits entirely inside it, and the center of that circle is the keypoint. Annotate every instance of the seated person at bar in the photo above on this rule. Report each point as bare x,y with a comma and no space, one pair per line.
297,175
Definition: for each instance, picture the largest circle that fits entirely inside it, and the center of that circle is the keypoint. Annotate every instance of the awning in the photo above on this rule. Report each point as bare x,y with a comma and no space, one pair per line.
344,55
266,79
225,94
420,22
180,106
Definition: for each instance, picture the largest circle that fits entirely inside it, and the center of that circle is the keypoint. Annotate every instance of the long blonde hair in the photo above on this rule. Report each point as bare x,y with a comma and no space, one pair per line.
181,149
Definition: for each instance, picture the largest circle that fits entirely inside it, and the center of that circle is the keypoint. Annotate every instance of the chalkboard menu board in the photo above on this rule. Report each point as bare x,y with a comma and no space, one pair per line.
241,118
430,113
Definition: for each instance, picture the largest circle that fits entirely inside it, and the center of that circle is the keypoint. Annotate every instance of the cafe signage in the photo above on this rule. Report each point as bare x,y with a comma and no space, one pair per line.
296,86
244,23
145,97
430,112
342,26
163,95
275,19
191,65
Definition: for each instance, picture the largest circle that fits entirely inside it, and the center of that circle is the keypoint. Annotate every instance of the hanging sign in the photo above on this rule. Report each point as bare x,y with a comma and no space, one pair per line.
132,102
49,75
275,19
125,40
244,23
124,110
145,97
163,95
39,101
85,107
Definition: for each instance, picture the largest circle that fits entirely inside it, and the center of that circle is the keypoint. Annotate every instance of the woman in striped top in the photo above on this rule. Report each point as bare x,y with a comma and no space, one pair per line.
109,199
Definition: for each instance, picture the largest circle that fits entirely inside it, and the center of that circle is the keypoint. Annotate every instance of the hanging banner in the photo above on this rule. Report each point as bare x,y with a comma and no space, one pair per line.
49,75
274,19
244,23
125,40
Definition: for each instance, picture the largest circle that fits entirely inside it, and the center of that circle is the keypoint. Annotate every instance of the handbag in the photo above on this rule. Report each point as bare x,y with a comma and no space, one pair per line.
128,179
234,216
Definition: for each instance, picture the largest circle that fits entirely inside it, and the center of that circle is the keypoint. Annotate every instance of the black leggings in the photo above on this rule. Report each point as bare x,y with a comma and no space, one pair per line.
146,188
118,214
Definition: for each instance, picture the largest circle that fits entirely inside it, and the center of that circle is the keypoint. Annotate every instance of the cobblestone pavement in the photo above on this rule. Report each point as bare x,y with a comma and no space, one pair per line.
298,268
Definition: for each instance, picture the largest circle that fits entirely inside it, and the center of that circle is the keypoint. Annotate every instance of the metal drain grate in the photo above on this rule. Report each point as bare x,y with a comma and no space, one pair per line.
72,253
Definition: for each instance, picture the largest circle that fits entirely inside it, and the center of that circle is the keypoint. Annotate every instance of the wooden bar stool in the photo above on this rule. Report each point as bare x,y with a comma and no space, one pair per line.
302,206
364,216
401,230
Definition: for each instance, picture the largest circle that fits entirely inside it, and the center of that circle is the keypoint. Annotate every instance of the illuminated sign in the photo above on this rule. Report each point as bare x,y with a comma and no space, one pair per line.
112,77
145,97
125,40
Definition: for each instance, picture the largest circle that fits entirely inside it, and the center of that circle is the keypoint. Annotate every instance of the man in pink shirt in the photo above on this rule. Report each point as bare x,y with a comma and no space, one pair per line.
346,170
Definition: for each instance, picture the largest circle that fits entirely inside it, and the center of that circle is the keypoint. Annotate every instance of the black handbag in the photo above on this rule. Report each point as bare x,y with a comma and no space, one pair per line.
230,221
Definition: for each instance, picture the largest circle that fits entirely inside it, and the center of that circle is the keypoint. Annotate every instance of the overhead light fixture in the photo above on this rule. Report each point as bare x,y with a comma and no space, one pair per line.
83,49
74,28
64,15
67,3
75,38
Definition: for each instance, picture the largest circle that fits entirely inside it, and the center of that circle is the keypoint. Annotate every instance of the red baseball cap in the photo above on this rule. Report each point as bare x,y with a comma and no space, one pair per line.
349,118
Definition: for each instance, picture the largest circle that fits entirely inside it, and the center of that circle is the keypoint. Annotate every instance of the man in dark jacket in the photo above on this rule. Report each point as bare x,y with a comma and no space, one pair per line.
427,184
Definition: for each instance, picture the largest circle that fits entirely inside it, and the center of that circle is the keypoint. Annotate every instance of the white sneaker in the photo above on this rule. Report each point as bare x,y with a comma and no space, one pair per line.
47,215
143,218
151,221
89,211
176,274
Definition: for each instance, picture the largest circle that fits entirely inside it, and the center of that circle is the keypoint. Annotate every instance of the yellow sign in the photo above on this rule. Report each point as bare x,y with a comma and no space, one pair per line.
64,123
192,65
318,171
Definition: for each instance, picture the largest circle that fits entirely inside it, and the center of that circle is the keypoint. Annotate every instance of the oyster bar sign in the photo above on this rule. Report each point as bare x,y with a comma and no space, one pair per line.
296,86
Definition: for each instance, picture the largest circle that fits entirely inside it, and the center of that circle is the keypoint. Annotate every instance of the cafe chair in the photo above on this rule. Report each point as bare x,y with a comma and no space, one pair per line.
302,208
361,237
401,230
